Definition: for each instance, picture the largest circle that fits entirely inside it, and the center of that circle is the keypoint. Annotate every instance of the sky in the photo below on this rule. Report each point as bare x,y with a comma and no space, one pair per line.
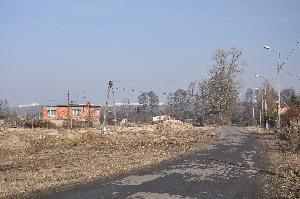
49,47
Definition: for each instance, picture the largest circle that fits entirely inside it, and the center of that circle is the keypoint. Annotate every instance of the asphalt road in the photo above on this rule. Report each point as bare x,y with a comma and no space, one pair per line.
229,168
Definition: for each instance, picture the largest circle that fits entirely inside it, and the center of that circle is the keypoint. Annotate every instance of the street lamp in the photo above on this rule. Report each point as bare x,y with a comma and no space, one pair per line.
253,105
32,105
279,66
264,99
260,111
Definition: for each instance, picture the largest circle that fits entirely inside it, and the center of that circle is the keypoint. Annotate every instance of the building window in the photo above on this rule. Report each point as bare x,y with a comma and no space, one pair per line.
51,112
76,112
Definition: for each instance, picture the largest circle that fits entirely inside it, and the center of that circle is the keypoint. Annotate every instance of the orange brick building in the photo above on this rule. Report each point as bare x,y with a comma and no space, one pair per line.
77,112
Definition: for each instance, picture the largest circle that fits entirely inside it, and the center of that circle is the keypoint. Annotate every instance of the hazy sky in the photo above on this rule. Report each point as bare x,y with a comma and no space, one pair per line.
48,47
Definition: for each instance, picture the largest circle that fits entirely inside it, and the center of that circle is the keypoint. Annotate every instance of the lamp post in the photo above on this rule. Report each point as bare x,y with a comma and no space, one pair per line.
264,99
32,105
279,66
260,111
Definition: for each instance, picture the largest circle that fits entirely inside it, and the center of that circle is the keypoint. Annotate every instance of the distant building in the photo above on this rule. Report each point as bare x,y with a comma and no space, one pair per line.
76,112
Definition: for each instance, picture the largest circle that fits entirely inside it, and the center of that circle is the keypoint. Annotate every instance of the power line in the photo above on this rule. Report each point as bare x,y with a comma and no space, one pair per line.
287,58
292,51
151,81
290,54
291,75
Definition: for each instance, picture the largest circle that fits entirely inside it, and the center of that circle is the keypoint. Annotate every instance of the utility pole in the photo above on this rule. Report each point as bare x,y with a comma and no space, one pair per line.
254,102
89,114
264,99
266,106
260,116
261,109
109,89
279,67
279,97
68,108
32,118
114,104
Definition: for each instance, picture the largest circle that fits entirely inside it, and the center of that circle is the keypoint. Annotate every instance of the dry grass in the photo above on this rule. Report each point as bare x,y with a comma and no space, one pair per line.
39,160
285,164
257,129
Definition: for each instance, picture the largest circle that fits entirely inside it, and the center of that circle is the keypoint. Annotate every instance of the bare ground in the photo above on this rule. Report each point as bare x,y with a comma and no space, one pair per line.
46,159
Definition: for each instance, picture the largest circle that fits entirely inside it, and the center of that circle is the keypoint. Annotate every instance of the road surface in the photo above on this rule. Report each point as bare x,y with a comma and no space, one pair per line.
229,168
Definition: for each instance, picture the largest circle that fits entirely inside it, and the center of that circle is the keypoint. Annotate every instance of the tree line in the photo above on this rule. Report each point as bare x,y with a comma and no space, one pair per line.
216,100
213,100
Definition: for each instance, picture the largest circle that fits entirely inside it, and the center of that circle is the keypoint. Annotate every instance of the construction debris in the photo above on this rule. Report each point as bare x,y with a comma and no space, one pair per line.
49,159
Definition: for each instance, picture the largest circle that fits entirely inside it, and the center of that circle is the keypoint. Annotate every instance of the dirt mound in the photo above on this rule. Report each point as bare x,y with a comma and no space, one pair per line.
174,125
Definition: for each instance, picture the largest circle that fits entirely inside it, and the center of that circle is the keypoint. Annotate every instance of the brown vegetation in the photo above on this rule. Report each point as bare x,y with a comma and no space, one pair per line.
285,164
47,159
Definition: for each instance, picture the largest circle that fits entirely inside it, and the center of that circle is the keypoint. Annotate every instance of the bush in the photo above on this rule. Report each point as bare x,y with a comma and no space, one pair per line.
290,134
291,115
36,123
271,117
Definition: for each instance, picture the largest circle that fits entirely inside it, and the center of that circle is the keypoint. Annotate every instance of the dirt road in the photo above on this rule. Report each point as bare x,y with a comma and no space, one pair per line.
229,168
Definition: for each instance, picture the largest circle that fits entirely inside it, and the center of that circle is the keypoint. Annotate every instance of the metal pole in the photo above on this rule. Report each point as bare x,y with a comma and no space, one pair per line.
114,103
260,118
266,107
279,97
106,107
32,120
253,98
69,108
110,85
105,112
261,109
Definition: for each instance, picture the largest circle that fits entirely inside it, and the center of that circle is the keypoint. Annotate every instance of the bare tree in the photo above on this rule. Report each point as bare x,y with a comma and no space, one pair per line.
295,101
195,101
179,104
143,100
271,96
286,95
153,101
219,92
248,104
271,101
3,108
148,104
